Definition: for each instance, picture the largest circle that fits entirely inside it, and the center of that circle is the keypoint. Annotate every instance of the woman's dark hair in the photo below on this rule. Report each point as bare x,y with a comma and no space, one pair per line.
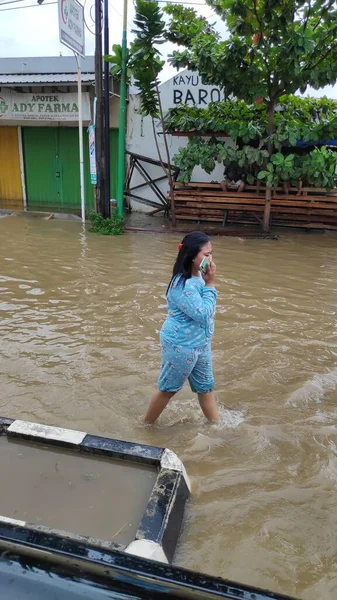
190,248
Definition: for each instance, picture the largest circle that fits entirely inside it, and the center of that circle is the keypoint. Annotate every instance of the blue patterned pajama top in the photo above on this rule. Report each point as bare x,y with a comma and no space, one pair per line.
186,337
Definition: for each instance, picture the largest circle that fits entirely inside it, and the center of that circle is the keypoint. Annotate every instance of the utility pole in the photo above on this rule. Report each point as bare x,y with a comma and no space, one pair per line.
106,110
100,187
122,118
80,135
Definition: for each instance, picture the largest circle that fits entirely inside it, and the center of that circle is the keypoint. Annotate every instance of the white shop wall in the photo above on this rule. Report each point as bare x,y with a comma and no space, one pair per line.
185,88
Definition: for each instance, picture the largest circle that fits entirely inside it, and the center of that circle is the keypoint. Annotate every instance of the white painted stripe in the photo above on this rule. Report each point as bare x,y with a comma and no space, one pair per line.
46,432
12,521
147,549
187,479
170,460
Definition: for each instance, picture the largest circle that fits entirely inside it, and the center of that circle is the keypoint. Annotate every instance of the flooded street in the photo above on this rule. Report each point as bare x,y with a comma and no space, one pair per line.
80,316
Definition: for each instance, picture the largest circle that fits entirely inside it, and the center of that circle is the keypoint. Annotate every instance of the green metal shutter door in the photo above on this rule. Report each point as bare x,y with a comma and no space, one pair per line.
51,156
70,170
69,154
39,146
69,158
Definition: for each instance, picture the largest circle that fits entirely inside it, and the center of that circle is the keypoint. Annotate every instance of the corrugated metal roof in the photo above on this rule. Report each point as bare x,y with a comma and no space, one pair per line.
45,65
44,79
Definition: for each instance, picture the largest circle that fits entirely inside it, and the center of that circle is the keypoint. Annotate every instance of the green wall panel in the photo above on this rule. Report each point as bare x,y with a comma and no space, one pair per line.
51,157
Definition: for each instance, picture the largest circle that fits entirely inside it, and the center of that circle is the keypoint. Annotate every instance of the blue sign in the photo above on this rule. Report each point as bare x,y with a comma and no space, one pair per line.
92,154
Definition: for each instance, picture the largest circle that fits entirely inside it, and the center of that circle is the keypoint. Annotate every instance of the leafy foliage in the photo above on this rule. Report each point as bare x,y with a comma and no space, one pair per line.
207,154
230,117
144,64
317,168
145,59
275,47
304,119
113,226
116,60
296,119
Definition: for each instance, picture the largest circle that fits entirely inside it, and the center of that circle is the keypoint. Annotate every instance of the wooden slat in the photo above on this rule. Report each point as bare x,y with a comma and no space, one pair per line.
221,202
200,214
227,204
193,218
207,202
214,185
253,197
317,198
256,208
228,207
229,194
279,200
208,206
206,194
206,184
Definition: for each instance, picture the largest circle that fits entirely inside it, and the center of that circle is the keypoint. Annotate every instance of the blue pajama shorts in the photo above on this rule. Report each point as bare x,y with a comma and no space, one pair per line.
180,363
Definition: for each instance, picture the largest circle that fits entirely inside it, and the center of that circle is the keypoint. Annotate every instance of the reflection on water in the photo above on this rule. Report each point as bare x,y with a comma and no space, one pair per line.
80,316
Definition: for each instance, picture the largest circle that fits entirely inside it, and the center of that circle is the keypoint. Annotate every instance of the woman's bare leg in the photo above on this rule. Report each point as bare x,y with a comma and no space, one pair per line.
208,406
158,402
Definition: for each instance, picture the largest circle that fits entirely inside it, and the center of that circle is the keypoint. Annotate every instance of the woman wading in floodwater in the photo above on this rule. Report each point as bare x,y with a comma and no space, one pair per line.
188,330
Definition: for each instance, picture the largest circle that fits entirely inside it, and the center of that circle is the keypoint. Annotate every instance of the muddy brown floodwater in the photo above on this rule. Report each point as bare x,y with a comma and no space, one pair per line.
72,492
80,316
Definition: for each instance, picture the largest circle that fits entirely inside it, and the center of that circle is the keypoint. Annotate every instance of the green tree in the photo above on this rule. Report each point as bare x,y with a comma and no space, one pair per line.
144,65
275,47
310,120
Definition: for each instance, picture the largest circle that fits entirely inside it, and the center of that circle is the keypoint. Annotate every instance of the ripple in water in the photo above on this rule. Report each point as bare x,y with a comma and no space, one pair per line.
229,418
314,389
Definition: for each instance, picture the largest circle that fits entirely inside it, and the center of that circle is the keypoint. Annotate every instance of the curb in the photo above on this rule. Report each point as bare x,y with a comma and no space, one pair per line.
160,526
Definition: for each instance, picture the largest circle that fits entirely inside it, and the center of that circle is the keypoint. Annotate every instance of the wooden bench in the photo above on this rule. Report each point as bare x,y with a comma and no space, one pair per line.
313,209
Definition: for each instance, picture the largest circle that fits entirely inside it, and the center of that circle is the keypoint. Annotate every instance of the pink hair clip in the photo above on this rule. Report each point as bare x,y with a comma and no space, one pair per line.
180,246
